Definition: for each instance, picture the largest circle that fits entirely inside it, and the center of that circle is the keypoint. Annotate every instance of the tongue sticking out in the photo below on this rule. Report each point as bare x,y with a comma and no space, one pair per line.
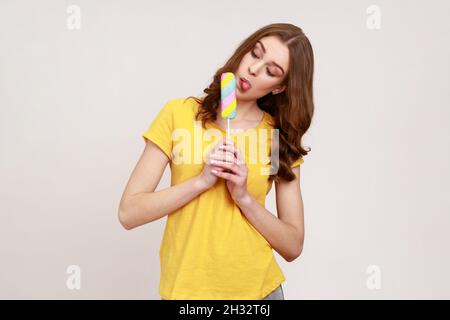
244,85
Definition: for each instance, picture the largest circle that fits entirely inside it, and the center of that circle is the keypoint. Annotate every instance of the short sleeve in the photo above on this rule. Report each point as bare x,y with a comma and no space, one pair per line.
160,130
297,162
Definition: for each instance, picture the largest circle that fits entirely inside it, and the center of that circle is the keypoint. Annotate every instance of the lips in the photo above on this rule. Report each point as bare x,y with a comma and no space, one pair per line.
244,84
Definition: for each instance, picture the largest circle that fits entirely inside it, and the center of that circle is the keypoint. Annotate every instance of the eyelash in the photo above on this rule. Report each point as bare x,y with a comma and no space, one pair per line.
268,72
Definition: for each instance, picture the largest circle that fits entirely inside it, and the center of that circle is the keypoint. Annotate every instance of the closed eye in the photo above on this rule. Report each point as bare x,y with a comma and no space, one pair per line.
267,69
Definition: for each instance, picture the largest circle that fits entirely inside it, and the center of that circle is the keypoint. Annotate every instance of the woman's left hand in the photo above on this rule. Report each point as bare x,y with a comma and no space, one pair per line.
237,175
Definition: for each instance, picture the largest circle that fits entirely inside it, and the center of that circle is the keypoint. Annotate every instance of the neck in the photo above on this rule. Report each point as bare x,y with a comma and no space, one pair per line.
248,110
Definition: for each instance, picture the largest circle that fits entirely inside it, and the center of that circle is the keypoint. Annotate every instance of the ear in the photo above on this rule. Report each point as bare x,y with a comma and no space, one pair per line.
279,90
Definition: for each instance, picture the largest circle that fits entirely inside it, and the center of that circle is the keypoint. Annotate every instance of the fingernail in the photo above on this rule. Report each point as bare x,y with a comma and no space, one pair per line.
214,171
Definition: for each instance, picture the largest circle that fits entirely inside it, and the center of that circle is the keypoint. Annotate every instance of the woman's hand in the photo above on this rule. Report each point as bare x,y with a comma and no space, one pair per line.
234,171
207,178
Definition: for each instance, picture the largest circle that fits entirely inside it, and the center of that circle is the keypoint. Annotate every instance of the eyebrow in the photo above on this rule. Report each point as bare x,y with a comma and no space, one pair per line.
264,50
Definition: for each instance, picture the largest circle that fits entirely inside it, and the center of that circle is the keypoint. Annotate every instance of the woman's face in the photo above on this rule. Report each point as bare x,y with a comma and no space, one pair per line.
264,67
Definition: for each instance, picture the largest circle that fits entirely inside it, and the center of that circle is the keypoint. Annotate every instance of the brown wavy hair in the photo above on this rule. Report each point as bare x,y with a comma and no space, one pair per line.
291,109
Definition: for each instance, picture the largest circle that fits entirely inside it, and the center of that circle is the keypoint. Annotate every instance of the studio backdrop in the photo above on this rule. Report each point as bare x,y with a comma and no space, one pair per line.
80,81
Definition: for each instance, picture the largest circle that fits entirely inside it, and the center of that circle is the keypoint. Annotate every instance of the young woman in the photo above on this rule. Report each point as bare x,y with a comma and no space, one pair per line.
219,236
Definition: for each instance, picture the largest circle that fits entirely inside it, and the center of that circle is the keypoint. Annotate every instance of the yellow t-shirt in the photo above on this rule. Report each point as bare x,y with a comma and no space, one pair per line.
209,249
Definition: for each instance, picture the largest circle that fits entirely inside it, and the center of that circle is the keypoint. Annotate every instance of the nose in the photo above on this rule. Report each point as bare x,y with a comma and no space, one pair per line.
255,67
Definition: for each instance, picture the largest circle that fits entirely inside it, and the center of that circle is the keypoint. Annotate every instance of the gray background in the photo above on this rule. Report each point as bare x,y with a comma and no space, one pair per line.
74,104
